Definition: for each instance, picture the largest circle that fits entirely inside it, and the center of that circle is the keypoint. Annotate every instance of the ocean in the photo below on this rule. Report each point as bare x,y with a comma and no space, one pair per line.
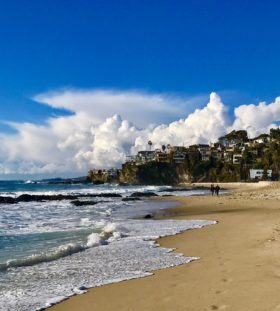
51,250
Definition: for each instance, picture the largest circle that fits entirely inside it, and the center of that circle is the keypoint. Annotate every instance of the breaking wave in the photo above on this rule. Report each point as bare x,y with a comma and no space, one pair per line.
106,235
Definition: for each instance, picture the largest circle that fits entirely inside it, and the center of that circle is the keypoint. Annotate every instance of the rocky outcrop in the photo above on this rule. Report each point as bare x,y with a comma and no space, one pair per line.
130,199
83,203
143,194
57,197
153,173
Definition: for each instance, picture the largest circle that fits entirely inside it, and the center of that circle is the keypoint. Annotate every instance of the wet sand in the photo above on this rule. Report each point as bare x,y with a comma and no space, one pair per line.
238,269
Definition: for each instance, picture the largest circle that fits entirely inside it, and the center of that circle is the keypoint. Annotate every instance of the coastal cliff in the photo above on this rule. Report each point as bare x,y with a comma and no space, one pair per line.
154,173
160,173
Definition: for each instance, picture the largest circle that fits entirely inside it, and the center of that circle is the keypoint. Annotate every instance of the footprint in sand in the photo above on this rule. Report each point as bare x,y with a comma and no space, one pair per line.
215,307
227,280
220,292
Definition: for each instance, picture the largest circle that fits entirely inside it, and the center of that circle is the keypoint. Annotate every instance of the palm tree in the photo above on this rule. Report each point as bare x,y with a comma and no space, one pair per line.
150,144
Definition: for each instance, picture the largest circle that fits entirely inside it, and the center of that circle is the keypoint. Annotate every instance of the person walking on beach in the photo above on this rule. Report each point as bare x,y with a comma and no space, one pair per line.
217,189
212,189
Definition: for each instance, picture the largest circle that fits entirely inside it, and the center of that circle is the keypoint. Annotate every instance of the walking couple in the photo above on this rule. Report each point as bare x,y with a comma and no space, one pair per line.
214,189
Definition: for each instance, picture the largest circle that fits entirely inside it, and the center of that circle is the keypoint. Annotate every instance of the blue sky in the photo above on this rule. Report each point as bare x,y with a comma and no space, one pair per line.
185,48
164,46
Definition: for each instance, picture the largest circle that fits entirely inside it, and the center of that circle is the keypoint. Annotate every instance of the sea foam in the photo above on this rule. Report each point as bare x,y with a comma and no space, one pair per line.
130,253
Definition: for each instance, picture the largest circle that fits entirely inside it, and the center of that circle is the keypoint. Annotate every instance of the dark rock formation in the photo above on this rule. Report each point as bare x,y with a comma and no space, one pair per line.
148,216
102,195
131,199
35,197
83,203
143,194
7,200
55,197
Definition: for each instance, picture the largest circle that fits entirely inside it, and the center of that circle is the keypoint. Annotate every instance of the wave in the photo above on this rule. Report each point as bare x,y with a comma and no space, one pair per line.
29,181
36,188
108,234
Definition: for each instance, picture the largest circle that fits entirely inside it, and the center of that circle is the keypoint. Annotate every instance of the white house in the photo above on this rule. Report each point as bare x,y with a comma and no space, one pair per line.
258,174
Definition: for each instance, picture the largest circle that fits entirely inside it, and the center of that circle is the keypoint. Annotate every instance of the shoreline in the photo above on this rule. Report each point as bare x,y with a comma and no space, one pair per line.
215,275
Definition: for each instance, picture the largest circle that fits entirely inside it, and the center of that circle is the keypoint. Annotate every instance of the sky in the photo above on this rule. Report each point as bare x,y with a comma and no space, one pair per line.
83,83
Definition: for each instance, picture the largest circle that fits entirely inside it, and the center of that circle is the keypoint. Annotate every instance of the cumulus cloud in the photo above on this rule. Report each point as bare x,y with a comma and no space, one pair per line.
257,119
93,138
201,126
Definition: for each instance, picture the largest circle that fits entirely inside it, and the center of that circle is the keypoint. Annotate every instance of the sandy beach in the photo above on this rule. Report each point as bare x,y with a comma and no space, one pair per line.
238,269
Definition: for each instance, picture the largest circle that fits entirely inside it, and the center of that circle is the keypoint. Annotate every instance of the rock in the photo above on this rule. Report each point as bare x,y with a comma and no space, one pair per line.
82,203
131,199
7,200
109,195
148,216
98,182
143,194
38,198
55,197
123,184
101,195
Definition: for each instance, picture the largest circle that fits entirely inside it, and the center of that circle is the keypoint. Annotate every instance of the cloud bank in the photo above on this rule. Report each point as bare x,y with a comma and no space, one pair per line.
106,126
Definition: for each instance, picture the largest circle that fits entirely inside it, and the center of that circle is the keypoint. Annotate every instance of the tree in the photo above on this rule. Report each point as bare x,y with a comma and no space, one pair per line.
275,133
241,135
163,147
265,175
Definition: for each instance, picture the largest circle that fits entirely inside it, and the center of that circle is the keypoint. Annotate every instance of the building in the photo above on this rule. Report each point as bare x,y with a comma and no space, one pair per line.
217,146
236,159
262,139
179,157
228,157
259,174
146,156
162,157
205,152
177,149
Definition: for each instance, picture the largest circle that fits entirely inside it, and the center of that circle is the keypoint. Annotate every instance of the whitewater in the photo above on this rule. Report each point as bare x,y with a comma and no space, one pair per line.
52,250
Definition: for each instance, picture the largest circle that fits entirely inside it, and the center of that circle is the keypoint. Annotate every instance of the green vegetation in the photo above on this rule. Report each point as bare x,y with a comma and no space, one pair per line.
228,160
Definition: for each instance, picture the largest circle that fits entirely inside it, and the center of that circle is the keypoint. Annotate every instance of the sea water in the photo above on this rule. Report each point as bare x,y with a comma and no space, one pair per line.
52,250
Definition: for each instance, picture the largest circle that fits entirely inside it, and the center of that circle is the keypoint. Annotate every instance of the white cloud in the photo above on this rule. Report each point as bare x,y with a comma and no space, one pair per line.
203,125
257,119
140,108
95,136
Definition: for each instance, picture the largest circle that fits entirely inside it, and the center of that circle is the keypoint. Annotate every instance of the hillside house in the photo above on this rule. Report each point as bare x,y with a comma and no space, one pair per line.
259,174
217,146
205,152
262,139
179,157
236,158
228,156
162,156
228,142
178,149
145,156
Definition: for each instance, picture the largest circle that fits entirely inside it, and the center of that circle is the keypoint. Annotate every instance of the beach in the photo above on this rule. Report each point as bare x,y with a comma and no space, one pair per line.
238,269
